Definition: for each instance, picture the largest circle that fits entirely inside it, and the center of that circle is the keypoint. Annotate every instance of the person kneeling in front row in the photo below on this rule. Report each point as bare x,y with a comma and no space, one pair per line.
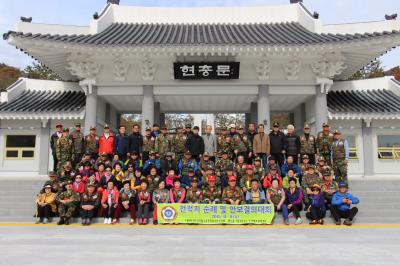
316,211
341,205
276,196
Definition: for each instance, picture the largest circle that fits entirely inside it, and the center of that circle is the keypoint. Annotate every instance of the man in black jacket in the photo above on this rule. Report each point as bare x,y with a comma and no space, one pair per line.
121,142
53,141
135,142
195,144
277,142
292,144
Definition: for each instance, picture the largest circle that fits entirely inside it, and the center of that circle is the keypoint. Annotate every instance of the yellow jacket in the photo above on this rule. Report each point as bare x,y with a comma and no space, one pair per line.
49,198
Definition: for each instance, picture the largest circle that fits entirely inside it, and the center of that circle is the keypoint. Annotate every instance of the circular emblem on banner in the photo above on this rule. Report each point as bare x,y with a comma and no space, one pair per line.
168,213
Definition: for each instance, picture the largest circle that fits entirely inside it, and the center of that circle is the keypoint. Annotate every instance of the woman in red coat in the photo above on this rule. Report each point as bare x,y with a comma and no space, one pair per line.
78,186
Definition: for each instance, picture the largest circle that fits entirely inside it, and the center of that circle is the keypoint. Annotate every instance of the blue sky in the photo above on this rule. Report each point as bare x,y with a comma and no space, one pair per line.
79,12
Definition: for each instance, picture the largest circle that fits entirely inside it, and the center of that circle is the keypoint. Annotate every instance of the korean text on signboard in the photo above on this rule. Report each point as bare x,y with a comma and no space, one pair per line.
227,70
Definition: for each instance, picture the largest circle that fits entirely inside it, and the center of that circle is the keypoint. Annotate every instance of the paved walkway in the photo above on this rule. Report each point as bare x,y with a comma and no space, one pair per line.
199,245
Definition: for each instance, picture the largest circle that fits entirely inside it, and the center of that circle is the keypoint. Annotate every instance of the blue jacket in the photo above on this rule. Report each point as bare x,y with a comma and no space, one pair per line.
249,197
285,168
121,143
149,163
337,200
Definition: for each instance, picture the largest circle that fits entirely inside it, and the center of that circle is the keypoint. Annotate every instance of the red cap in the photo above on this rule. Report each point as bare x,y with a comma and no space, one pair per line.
249,167
212,178
232,178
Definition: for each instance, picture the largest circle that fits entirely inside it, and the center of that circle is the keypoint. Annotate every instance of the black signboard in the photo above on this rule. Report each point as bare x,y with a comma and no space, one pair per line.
206,70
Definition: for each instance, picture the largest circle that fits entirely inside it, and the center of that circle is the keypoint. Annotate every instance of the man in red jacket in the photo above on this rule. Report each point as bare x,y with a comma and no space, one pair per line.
106,142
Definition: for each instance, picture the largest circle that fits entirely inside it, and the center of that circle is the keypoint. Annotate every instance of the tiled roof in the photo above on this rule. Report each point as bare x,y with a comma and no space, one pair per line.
366,101
289,33
34,101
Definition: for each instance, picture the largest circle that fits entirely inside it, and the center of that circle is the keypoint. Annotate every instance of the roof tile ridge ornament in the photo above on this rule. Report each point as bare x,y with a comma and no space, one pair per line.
292,69
263,68
148,67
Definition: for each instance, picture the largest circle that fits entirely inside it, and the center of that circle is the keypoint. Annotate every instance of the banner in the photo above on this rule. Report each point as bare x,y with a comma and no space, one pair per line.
215,214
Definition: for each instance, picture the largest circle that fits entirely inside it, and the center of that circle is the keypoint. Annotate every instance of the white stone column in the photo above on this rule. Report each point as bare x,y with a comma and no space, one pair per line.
369,153
90,107
263,106
44,147
147,107
321,104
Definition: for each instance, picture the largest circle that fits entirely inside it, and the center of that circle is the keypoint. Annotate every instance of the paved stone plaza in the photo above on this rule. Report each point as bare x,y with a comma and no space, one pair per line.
200,245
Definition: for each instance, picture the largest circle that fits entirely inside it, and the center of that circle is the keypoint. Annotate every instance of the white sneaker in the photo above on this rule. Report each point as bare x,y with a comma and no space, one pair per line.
298,221
109,220
105,220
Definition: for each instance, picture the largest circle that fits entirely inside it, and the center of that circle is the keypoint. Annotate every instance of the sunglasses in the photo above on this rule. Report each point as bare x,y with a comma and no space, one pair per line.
315,189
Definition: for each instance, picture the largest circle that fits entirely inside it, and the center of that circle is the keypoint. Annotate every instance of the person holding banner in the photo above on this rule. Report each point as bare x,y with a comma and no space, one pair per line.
177,194
212,193
277,197
232,194
255,195
160,195
194,194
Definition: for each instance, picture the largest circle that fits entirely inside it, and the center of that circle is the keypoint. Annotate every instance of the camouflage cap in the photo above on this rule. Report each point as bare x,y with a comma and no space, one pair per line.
106,126
206,154
327,172
92,128
169,154
103,154
325,125
305,156
210,167
91,184
188,125
337,132
321,159
257,159
275,124
52,173
65,129
195,180
152,152
307,126
148,128
188,153
77,124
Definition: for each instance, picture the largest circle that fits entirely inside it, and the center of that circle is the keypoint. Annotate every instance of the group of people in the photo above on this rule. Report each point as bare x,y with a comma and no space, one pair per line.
103,176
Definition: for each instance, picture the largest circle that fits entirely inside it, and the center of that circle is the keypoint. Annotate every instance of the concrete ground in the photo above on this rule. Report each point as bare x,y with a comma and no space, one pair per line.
199,245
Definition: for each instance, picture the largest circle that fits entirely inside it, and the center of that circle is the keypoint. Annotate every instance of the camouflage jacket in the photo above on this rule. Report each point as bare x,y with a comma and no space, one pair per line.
232,194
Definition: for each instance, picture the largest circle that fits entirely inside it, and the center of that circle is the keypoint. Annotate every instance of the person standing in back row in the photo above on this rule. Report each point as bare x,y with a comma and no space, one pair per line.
261,145
277,140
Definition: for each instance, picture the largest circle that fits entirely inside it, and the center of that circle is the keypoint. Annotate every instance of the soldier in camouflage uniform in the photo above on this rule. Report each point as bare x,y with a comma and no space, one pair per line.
307,144
179,143
324,143
241,144
78,141
309,179
329,187
232,194
205,162
212,193
194,194
305,163
240,167
340,157
148,144
223,163
92,143
67,201
64,150
224,142
163,143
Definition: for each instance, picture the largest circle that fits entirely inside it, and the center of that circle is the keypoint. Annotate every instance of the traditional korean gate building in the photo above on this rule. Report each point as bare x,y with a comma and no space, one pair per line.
252,60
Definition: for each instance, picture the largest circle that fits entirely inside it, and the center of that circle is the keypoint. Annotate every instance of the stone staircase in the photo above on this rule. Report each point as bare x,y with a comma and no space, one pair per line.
379,201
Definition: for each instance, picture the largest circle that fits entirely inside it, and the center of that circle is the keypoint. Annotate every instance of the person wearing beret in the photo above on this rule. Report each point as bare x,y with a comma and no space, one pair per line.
316,210
144,201
341,205
46,204
67,201
109,202
90,201
127,202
